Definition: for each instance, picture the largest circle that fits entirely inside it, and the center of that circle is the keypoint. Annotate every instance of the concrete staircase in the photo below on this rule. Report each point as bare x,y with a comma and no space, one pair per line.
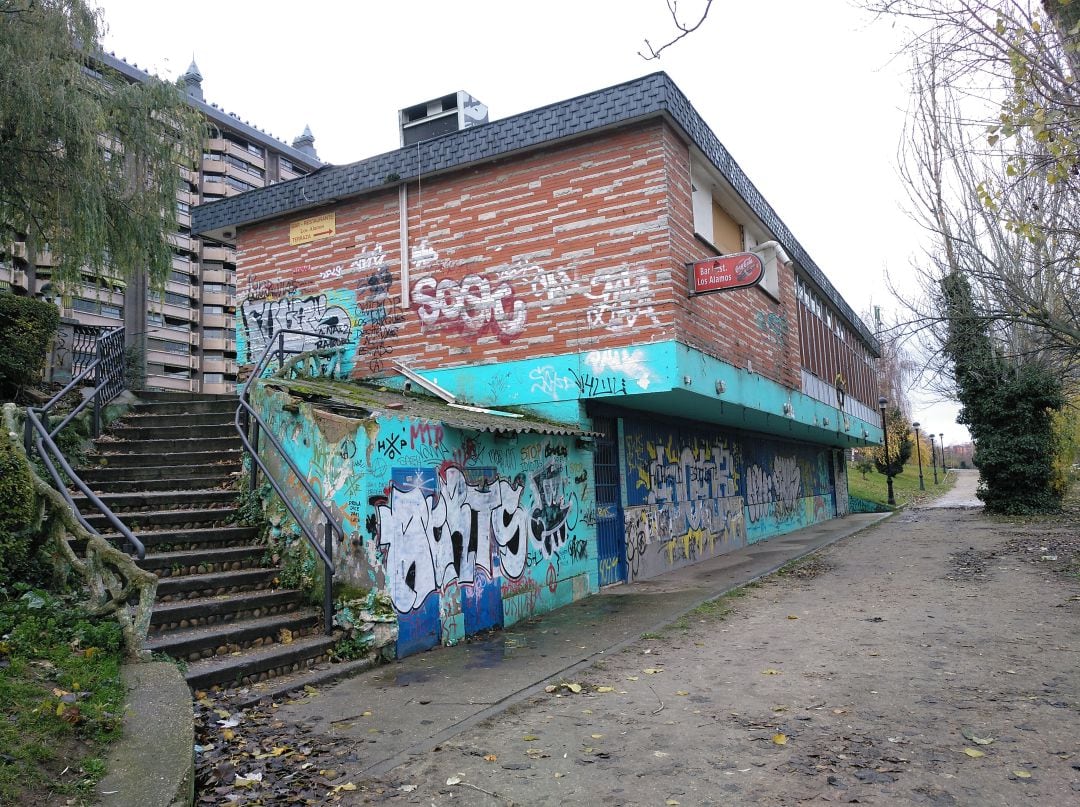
168,469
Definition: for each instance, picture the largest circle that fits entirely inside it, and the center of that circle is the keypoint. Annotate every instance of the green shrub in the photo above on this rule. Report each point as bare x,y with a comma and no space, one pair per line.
16,514
26,328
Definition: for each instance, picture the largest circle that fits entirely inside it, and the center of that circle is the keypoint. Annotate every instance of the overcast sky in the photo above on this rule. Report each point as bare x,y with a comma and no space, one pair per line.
806,96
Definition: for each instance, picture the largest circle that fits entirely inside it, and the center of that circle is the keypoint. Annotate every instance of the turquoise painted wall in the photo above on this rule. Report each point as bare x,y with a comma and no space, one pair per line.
463,531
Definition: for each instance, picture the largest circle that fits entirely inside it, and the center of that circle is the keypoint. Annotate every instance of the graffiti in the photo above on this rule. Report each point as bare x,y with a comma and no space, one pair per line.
547,381
704,471
549,521
347,449
778,492
592,386
332,273
775,325
520,598
424,255
631,363
429,434
260,319
433,540
619,299
379,324
552,287
608,571
268,289
391,447
474,303
578,548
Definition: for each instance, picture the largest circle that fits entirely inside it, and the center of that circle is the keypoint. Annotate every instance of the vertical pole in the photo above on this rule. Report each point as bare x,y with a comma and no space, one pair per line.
941,444
28,434
328,580
254,470
281,351
933,457
918,450
888,467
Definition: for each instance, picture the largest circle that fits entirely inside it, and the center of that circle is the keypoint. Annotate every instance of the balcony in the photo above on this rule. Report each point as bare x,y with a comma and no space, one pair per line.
244,154
156,380
214,185
217,298
214,252
214,276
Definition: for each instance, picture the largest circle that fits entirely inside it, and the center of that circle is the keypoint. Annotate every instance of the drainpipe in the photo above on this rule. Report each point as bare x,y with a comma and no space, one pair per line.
403,238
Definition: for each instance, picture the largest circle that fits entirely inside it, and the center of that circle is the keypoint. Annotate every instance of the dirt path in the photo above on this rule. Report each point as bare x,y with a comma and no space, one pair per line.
933,659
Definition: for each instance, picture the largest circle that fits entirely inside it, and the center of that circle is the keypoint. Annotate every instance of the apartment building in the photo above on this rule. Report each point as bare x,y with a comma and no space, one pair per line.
187,331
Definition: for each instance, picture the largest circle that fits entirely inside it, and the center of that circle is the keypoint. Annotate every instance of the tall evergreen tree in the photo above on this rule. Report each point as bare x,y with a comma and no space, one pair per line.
88,160
1008,405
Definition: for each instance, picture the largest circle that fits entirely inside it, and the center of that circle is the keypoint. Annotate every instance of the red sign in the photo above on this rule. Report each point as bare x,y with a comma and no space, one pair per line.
726,272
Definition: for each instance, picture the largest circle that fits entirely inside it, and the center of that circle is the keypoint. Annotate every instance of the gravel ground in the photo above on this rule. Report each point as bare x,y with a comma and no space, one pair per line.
933,659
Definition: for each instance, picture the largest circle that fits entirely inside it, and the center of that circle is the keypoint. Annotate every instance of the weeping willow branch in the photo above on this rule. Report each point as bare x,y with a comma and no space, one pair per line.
117,586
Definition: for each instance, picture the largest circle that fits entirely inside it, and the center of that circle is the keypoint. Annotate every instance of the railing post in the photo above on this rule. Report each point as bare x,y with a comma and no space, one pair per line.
254,477
28,435
328,580
281,351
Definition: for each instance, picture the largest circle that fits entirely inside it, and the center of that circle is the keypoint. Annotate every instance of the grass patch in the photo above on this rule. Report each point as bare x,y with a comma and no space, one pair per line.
905,486
61,700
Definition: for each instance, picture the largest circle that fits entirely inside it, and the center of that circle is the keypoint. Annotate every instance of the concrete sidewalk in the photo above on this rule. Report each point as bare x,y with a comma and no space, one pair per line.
410,706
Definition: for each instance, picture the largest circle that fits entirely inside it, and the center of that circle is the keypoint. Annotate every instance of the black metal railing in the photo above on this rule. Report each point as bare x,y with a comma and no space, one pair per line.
106,374
251,426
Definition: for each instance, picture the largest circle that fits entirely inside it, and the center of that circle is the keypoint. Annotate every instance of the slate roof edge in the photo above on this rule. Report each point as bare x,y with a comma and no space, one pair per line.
653,95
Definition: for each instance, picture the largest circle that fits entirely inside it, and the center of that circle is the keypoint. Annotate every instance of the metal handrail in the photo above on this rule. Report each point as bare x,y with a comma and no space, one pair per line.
38,436
247,416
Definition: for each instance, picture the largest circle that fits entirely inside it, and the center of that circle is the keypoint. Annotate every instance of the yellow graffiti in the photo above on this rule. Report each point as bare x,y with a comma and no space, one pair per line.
698,539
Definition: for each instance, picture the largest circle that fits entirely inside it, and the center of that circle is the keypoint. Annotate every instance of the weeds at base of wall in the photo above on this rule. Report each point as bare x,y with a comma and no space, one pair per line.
369,625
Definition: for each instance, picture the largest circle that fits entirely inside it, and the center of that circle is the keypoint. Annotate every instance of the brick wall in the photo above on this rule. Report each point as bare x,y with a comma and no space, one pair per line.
557,251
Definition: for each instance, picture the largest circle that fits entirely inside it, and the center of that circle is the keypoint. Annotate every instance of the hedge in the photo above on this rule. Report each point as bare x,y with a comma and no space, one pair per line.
27,326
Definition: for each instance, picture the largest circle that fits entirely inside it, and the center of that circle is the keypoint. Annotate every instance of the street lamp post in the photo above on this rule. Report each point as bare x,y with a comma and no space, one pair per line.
941,444
918,450
933,457
885,433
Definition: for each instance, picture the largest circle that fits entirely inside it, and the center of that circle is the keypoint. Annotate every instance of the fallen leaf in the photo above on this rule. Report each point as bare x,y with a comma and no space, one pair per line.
596,736
605,689
682,692
792,616
1022,774
660,754
228,735
248,780
346,786
779,739
633,677
575,688
671,803
975,753
970,735
770,671
530,738
550,688
490,757
652,670
587,711
407,788
454,780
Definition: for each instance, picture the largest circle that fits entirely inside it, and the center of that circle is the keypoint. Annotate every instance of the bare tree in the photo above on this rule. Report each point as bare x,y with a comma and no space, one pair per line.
684,28
994,188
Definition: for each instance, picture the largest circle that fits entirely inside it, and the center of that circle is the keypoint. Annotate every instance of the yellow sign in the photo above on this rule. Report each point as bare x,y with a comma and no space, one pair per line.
308,230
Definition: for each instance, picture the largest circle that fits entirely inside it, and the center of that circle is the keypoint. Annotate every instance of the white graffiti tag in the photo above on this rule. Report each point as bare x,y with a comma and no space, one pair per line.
781,489
261,318
474,302
547,381
431,541
619,300
631,363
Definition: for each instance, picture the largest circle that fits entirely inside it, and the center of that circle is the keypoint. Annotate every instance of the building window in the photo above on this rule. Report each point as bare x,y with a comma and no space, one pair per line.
97,307
168,346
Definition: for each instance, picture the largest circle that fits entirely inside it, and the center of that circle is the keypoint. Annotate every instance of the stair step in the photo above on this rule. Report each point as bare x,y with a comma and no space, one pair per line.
179,458
99,474
265,661
200,407
214,483
194,537
321,674
139,419
127,503
157,396
182,431
191,586
193,643
113,447
169,616
185,562
149,520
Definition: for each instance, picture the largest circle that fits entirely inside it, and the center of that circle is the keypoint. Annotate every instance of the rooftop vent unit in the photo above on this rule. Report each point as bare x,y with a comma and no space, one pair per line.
450,113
